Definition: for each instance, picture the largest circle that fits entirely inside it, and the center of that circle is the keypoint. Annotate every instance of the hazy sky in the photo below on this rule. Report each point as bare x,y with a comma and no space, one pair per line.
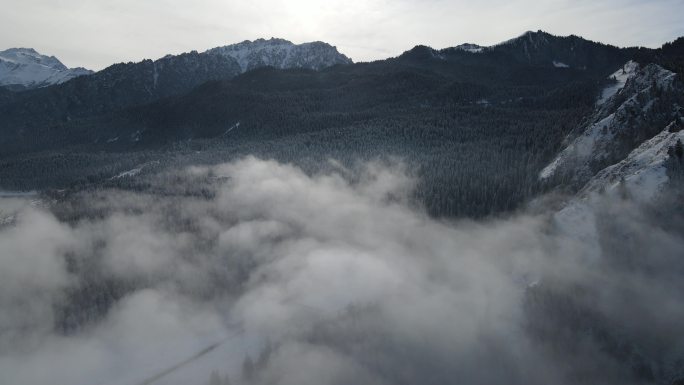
96,33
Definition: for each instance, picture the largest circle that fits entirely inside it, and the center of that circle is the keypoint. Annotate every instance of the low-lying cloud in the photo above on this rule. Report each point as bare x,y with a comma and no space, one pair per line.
268,275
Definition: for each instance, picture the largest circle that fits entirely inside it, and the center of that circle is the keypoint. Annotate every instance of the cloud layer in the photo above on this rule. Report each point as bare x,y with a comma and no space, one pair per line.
323,279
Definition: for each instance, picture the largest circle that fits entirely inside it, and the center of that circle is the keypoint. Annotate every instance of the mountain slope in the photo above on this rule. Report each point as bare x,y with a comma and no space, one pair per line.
476,129
630,148
624,118
24,68
479,125
33,117
643,174
28,114
625,165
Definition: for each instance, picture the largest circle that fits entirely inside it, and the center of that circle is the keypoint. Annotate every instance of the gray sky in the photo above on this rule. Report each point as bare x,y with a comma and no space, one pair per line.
97,33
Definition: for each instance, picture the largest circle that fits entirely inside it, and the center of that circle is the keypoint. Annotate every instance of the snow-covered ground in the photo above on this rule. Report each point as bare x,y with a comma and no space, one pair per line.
129,173
231,128
620,76
583,146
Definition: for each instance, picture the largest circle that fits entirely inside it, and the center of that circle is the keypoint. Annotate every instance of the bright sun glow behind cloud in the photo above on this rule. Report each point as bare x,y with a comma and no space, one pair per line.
96,33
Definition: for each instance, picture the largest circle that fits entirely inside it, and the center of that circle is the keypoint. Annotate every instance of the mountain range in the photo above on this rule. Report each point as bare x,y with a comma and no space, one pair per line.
24,68
558,106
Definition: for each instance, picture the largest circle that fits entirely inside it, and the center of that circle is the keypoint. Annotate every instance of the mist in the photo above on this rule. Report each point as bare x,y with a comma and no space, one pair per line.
255,272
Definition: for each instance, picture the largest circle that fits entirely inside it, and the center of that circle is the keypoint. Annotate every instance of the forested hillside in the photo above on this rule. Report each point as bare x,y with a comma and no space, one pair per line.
476,126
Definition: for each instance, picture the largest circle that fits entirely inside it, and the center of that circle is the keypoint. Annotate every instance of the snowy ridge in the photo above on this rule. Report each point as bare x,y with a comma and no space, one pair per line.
281,53
621,76
26,68
622,112
641,177
642,174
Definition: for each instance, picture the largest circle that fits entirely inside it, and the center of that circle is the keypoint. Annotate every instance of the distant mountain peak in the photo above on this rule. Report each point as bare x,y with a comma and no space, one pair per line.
470,47
30,55
544,49
281,53
21,49
25,68
527,38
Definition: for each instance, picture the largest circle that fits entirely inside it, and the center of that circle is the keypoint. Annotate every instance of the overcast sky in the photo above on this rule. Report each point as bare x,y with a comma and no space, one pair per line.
97,33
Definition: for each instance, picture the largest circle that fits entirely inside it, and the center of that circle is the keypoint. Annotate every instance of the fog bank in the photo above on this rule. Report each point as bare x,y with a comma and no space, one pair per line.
330,279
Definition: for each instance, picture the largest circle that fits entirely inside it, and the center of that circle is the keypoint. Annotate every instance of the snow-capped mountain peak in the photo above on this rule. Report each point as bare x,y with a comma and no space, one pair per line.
25,68
30,56
280,53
